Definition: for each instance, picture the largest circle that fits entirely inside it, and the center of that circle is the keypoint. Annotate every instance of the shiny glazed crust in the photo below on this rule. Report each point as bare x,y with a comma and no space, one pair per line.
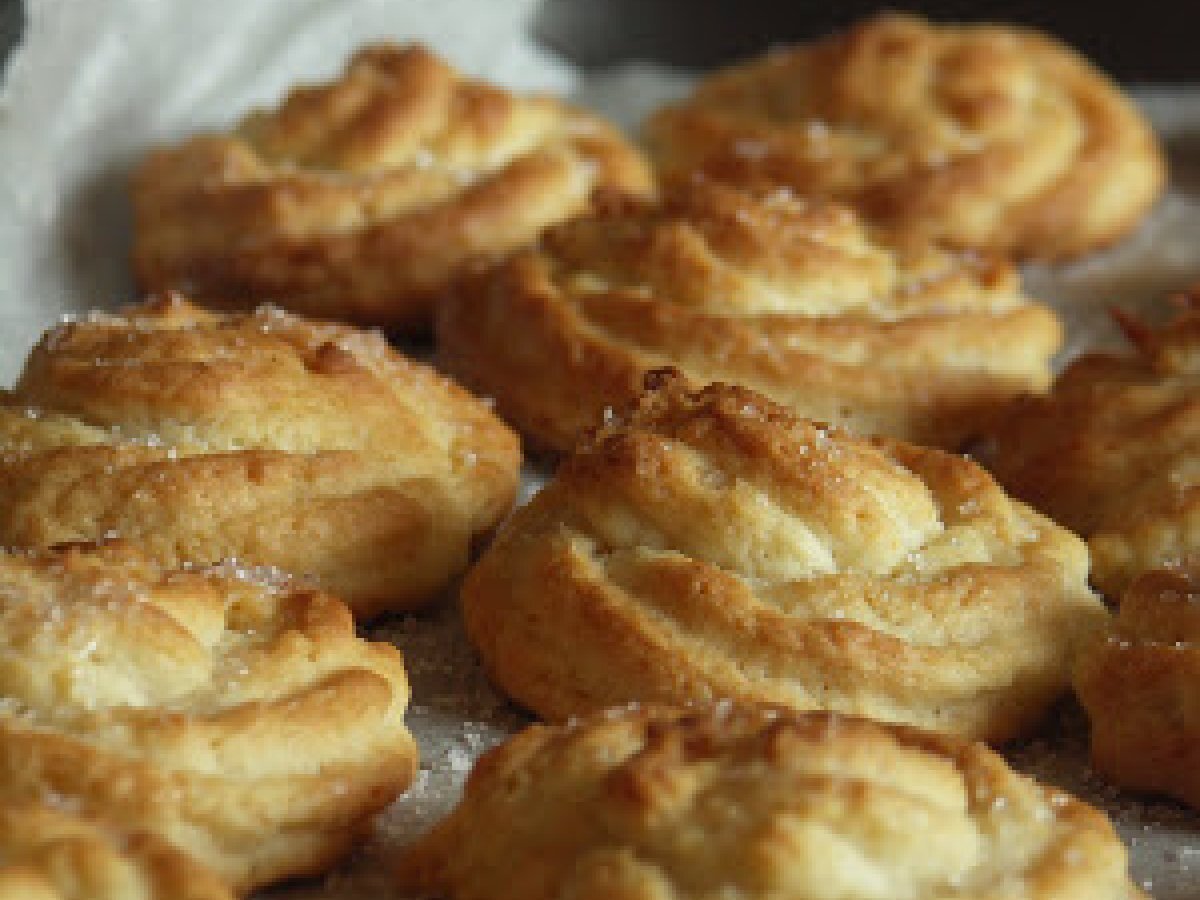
797,299
359,199
47,853
229,712
986,136
1111,451
711,544
1140,685
747,803
262,437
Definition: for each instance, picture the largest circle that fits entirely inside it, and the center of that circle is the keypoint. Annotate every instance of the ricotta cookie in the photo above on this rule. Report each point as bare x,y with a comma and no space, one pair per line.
986,136
1112,451
232,714
741,803
798,299
361,198
48,853
711,544
260,437
1141,688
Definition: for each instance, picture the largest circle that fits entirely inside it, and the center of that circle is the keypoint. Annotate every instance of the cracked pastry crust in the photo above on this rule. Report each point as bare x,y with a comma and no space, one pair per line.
711,544
1111,451
986,136
225,710
1140,685
361,198
798,299
741,803
262,437
48,853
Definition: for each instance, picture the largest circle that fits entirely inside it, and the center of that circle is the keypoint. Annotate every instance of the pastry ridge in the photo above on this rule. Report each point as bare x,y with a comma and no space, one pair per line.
1138,683
743,802
50,853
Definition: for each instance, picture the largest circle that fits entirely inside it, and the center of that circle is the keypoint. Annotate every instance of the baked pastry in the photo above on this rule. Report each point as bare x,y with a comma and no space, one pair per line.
1111,451
359,199
231,713
985,136
48,853
261,437
1140,684
711,544
721,801
797,299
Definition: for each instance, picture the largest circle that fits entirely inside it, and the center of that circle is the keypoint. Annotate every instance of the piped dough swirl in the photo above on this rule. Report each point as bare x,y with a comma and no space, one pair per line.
711,544
740,803
225,710
798,299
988,136
262,437
361,198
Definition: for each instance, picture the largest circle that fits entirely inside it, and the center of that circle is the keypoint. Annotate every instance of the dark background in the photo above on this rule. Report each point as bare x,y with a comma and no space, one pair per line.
1151,40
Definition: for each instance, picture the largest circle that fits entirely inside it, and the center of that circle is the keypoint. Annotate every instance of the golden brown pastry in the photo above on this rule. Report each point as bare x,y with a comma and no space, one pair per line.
749,803
261,437
797,299
233,714
711,544
359,199
986,136
48,853
1112,452
1140,685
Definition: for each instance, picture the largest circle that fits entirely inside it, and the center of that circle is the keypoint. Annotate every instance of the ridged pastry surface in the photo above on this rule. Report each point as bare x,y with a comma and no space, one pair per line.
231,713
709,544
262,437
49,853
987,136
798,299
360,198
741,803
1140,685
1111,451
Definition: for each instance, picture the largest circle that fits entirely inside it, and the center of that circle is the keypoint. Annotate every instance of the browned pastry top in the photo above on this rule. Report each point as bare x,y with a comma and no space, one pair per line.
987,136
225,709
711,544
1112,451
1140,684
747,803
261,436
799,299
359,199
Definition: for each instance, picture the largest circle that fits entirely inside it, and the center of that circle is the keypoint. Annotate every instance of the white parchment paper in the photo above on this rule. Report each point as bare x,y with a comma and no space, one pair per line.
96,83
